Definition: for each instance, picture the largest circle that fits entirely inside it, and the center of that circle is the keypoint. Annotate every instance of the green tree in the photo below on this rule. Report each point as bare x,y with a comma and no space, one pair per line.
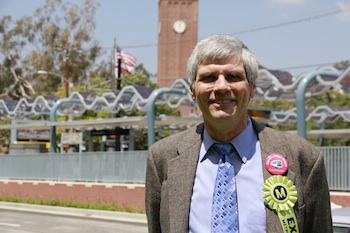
142,77
330,98
11,44
59,36
4,137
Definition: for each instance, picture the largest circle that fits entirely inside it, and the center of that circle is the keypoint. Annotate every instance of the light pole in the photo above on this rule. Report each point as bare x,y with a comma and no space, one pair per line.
64,81
67,87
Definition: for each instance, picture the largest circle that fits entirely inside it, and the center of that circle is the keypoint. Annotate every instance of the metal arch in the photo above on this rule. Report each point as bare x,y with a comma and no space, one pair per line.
53,114
107,101
319,115
150,109
300,100
269,86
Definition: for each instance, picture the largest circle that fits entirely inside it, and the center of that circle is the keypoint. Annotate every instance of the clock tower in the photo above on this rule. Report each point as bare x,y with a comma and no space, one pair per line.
177,35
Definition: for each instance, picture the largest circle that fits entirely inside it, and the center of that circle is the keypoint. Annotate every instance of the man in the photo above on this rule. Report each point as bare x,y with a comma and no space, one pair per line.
280,181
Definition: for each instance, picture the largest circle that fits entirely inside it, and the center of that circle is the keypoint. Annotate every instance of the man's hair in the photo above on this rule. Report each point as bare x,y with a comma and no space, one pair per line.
220,47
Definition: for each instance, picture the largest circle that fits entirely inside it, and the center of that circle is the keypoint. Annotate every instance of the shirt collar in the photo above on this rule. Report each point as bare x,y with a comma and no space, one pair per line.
244,143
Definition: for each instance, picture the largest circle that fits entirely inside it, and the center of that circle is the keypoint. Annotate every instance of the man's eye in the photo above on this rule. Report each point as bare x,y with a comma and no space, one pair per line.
232,78
208,78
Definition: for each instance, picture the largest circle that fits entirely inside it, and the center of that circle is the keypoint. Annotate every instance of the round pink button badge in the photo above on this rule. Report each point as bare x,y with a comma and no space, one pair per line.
276,164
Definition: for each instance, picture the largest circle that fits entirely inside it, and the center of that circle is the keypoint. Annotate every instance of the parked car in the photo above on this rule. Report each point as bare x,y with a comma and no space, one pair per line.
341,220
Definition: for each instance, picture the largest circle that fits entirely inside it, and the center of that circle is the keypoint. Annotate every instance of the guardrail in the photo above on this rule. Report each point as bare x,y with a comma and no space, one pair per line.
129,167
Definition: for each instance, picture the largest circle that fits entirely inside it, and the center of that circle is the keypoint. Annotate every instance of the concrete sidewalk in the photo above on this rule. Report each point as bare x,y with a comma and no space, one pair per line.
76,212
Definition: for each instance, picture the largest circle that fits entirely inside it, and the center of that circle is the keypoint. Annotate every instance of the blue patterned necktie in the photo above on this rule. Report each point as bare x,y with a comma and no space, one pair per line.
225,209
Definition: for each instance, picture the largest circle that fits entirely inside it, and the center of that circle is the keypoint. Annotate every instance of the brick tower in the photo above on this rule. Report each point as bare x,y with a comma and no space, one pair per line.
177,35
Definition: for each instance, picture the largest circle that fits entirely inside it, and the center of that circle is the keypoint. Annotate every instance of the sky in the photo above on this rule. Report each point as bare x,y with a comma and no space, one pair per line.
292,35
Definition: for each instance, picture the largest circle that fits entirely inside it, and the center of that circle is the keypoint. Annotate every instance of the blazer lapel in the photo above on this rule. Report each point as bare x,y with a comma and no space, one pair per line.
270,146
272,221
181,174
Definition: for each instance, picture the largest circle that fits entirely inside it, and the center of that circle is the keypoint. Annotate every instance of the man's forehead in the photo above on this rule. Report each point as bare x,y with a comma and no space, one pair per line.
228,64
225,60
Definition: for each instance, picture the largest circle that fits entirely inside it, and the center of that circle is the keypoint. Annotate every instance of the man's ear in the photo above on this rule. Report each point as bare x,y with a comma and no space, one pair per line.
192,92
252,90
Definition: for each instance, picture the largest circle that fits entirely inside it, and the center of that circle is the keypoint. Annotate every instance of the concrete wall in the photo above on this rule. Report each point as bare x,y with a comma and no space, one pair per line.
123,195
341,198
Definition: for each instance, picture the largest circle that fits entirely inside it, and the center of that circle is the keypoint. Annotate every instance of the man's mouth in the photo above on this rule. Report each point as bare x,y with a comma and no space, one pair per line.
222,101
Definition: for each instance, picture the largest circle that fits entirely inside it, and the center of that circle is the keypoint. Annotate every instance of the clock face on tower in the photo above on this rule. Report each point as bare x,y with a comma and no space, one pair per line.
179,26
177,35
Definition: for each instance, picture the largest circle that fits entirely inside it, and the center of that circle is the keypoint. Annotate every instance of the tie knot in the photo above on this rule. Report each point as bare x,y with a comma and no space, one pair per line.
224,149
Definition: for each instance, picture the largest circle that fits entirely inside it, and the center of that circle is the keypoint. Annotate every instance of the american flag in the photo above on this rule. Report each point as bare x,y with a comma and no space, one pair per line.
128,61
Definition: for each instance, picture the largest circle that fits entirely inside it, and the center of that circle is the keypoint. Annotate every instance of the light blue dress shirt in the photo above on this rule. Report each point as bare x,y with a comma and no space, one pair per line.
249,181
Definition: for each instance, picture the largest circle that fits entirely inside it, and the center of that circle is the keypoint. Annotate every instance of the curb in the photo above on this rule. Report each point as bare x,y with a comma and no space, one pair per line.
76,212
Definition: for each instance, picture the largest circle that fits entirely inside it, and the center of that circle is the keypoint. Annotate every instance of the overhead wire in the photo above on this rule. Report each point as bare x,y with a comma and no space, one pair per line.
271,26
295,21
265,27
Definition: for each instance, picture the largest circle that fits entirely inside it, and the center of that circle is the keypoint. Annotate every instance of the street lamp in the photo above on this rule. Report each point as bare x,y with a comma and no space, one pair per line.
67,86
63,80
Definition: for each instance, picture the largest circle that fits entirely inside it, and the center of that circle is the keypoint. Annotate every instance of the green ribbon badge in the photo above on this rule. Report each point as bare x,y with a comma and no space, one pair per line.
280,194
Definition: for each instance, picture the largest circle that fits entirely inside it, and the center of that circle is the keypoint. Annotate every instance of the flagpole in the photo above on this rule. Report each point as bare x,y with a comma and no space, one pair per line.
113,65
119,74
118,88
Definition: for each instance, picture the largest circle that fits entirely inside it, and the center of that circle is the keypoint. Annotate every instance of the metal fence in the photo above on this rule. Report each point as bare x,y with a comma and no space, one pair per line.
129,167
337,162
108,167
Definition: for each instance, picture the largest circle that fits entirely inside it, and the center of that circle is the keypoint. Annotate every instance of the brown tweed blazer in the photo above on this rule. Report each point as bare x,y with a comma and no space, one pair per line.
171,167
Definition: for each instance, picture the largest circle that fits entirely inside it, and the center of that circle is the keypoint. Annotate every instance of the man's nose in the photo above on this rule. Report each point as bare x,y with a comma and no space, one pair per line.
221,84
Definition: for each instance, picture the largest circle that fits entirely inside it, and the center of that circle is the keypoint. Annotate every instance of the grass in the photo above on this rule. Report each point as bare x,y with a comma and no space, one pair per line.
94,206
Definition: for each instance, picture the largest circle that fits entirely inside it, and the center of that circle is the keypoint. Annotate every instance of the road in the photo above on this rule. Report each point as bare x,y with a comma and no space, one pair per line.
13,221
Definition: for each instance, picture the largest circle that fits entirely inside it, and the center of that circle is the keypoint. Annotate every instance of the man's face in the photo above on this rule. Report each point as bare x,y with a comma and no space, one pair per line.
222,91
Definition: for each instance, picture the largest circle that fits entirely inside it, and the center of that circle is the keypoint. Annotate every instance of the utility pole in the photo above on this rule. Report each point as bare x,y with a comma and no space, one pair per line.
66,83
67,71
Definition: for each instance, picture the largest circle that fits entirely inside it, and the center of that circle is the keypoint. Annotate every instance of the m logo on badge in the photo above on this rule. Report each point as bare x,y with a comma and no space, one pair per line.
280,193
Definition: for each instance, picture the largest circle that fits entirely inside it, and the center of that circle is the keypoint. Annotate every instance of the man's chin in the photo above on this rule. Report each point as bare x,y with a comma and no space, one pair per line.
221,116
